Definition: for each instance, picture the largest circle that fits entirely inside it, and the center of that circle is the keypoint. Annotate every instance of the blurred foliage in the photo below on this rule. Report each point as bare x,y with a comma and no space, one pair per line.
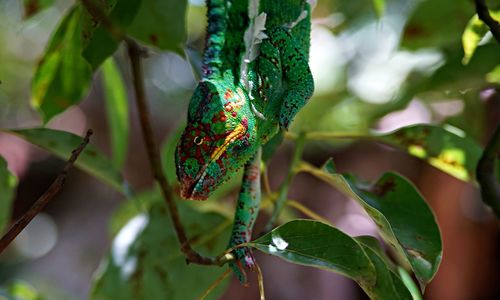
19,290
61,143
117,109
371,60
146,262
8,183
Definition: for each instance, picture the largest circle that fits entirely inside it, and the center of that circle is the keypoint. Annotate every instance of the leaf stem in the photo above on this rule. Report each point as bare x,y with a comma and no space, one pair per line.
215,284
283,192
41,202
306,211
319,135
135,53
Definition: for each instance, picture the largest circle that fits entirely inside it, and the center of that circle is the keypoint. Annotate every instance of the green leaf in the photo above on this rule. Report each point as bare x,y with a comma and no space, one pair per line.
8,183
62,77
20,290
389,285
494,76
379,7
401,214
473,33
32,7
316,244
453,78
99,44
161,24
117,111
61,143
145,261
437,23
446,150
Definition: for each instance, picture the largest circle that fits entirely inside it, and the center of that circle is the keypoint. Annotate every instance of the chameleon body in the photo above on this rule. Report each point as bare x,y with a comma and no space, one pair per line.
255,78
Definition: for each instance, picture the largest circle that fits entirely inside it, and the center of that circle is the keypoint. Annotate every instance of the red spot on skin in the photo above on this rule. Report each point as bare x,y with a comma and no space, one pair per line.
223,119
228,94
234,114
154,39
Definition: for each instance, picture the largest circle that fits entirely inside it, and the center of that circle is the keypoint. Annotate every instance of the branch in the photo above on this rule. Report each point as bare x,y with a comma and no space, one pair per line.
49,194
484,15
485,173
135,53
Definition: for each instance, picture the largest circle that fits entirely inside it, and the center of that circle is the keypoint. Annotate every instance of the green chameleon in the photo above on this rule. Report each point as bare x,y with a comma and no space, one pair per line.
255,78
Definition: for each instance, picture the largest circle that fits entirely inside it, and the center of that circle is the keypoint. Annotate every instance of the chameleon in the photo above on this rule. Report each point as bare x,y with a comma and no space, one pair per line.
255,78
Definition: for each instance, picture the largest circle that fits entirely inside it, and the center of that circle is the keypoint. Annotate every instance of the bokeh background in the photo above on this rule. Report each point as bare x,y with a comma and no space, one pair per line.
363,65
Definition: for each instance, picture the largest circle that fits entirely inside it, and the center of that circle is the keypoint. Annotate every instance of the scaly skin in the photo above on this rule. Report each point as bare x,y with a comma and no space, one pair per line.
237,107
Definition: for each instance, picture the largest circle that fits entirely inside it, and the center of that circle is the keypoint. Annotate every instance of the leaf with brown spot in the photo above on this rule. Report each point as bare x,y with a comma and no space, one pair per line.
441,147
32,7
161,24
400,213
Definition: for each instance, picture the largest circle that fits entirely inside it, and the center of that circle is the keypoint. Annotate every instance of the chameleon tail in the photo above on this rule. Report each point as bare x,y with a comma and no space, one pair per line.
247,210
217,24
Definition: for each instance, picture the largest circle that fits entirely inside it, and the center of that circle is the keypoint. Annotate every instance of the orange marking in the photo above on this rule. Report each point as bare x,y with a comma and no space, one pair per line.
228,94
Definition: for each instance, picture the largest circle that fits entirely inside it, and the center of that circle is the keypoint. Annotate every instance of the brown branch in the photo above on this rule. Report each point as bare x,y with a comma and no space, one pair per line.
484,15
135,53
485,173
49,194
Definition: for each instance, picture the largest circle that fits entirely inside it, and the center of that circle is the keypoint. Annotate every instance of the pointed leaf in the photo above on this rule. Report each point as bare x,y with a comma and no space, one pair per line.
473,33
316,244
61,143
8,183
63,76
117,111
401,214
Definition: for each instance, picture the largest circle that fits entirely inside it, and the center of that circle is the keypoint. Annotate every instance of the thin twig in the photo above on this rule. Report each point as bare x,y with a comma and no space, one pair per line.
283,192
215,284
135,52
484,15
485,173
49,194
260,279
306,211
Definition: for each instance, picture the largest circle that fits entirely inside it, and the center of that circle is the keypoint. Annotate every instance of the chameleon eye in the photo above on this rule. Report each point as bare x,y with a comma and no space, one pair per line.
198,140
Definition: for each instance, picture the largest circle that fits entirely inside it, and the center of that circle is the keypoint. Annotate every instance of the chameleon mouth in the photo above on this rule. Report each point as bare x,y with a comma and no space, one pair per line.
200,187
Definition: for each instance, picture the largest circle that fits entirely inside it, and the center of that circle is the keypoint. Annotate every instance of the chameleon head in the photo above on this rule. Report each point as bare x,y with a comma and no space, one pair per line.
218,139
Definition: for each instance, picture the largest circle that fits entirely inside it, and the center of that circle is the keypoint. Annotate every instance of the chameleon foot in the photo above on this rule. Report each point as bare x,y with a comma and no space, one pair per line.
244,261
